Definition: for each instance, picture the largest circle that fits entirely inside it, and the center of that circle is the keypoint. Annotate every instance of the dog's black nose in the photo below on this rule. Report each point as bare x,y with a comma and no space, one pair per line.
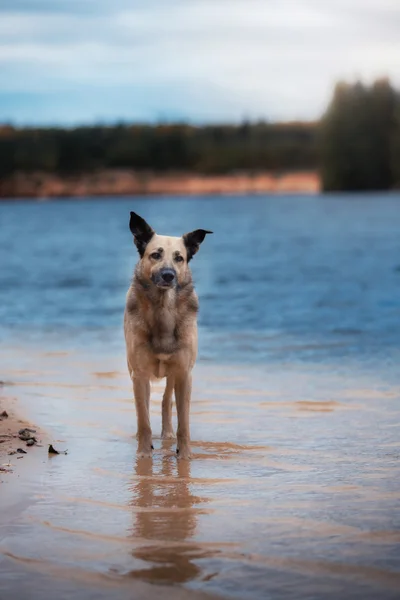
168,275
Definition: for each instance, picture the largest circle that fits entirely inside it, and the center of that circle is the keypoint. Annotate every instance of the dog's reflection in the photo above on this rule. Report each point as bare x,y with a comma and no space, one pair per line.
165,520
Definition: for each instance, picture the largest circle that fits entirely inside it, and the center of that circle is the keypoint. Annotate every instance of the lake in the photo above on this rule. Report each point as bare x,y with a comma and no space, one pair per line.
294,489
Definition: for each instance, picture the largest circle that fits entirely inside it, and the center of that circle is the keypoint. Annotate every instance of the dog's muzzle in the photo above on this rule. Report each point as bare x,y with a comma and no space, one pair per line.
165,278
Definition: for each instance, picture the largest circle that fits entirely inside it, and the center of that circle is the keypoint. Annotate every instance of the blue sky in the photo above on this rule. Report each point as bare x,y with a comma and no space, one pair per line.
69,62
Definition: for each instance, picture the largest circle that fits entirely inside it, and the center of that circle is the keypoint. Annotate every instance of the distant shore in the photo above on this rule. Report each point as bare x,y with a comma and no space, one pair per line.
121,182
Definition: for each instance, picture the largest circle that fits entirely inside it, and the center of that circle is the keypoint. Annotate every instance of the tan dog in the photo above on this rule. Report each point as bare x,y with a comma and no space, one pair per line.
160,325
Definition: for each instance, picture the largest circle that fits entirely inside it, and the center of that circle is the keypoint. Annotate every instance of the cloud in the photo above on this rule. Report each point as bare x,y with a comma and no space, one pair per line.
201,60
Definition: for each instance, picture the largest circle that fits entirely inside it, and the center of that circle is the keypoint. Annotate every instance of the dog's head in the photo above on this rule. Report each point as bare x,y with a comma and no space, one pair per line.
164,259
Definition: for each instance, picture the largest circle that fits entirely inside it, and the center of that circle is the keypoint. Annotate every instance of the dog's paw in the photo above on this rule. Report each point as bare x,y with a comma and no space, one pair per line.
183,454
144,454
145,449
168,435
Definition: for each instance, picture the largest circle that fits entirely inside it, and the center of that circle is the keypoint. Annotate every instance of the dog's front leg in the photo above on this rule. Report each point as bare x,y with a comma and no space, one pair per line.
141,390
167,432
183,389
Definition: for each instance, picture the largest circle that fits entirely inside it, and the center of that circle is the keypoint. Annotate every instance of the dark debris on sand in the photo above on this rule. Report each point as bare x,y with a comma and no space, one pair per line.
26,436
52,450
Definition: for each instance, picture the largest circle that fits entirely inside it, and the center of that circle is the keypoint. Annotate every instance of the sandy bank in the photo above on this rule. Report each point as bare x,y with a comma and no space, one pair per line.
10,444
129,182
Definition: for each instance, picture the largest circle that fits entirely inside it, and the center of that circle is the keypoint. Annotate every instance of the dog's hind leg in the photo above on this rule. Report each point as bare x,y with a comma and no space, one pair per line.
183,389
167,432
141,390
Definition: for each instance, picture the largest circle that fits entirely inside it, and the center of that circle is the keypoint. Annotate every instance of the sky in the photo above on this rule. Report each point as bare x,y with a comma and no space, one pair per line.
67,62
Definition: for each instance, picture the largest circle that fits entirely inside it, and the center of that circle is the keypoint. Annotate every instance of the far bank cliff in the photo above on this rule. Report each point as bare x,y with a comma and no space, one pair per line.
120,182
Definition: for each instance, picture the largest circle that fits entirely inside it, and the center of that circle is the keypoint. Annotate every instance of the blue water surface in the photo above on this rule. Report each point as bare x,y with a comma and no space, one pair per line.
310,277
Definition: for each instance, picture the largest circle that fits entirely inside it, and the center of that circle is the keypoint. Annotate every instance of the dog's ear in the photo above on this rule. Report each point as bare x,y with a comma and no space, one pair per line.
193,240
141,231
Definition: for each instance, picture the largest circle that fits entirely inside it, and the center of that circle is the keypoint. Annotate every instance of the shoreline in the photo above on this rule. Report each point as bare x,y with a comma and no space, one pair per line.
127,182
11,422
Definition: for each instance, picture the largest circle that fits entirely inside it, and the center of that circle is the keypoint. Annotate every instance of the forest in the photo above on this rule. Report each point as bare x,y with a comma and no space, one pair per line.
354,146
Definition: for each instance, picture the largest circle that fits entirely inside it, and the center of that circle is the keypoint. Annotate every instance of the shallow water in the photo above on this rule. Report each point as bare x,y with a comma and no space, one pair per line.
294,489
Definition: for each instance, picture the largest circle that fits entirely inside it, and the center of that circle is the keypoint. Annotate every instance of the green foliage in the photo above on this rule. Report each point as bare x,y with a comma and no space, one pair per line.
160,148
359,135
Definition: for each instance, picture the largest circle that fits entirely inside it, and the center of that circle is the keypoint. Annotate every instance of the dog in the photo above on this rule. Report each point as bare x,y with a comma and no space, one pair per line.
160,326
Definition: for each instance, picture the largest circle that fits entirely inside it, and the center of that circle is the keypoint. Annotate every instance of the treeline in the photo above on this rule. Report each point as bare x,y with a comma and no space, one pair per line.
355,146
160,148
359,140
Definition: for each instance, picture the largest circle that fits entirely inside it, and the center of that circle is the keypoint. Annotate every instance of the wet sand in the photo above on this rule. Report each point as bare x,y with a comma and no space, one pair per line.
293,491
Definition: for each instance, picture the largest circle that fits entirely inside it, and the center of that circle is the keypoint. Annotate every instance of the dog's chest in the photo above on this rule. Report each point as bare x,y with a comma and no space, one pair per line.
163,331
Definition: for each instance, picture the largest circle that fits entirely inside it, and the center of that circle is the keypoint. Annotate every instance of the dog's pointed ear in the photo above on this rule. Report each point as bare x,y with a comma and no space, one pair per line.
193,240
141,231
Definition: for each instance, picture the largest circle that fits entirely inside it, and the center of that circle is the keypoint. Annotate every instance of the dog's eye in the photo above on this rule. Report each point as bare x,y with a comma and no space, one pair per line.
178,258
155,255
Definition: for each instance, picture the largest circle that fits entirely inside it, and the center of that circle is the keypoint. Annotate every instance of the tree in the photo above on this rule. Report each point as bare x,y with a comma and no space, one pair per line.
356,137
